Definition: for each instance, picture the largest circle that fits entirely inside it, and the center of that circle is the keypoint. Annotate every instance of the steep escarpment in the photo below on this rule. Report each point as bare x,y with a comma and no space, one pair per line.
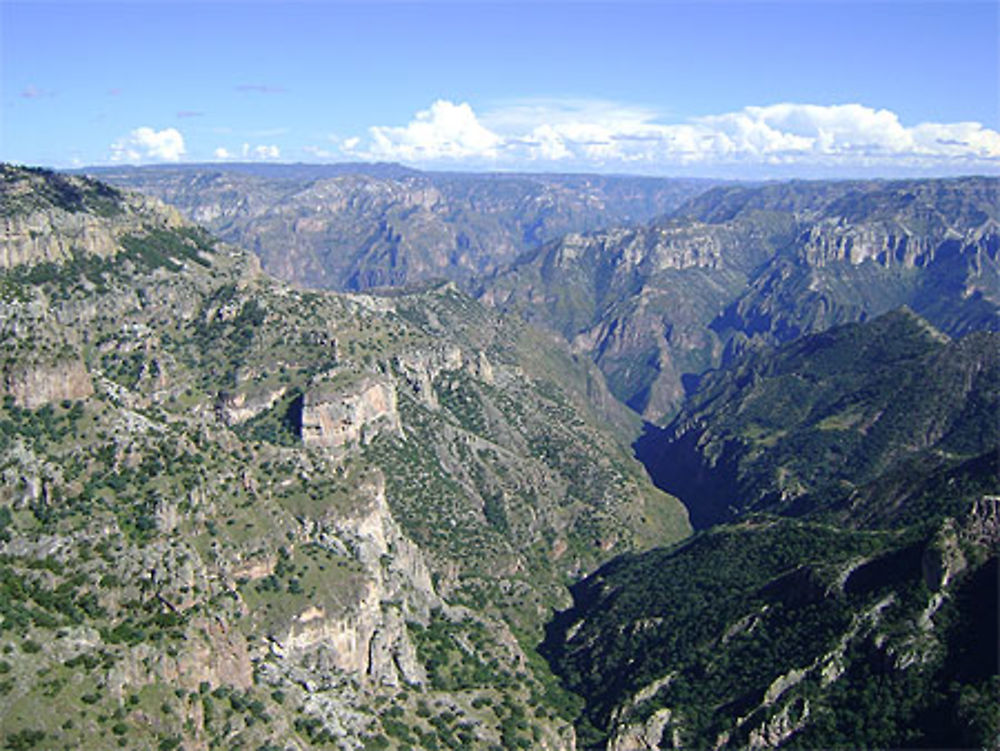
237,512
857,471
739,267
811,425
358,226
51,218
35,386
333,418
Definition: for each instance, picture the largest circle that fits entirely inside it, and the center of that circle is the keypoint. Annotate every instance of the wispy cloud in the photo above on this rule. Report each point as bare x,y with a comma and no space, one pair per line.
145,144
266,132
33,92
261,152
318,152
606,135
260,88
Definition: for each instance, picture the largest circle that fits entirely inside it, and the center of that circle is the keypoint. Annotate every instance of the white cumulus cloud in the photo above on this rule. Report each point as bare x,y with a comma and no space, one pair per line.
444,131
146,144
604,135
222,153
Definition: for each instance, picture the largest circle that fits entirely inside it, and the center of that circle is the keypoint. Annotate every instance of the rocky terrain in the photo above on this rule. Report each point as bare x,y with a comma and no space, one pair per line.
718,269
744,266
813,424
851,600
356,226
238,514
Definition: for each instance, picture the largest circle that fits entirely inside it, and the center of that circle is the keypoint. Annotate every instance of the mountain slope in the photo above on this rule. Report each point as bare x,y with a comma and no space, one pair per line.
742,266
808,426
776,633
353,227
865,615
238,513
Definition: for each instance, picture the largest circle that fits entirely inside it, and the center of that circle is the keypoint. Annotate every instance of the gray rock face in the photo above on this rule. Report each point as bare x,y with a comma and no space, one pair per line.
237,408
370,640
52,229
420,369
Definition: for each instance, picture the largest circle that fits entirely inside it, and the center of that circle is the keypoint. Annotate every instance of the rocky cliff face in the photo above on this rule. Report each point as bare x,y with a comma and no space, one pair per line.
738,268
368,638
332,418
353,227
36,386
238,512
49,220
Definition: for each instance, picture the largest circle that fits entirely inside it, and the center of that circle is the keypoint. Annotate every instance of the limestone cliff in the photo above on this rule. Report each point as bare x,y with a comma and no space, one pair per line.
44,384
333,417
50,219
369,639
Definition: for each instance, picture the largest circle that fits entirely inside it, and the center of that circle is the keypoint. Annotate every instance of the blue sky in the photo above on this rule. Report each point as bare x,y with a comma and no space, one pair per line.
709,88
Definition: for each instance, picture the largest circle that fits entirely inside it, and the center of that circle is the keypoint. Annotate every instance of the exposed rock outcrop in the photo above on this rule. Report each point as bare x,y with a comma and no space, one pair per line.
369,639
943,558
643,736
33,387
234,409
77,217
333,417
419,369
215,653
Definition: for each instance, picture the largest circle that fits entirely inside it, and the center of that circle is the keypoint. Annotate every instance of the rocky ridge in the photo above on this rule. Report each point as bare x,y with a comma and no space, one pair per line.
740,267
284,516
358,226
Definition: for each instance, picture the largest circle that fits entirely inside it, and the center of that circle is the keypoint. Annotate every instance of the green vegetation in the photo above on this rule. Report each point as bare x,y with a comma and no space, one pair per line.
28,189
168,249
451,652
173,522
826,624
721,617
179,568
811,427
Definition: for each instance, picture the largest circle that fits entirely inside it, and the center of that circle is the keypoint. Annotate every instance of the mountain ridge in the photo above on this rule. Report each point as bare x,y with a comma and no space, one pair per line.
357,226
234,511
845,489
737,267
